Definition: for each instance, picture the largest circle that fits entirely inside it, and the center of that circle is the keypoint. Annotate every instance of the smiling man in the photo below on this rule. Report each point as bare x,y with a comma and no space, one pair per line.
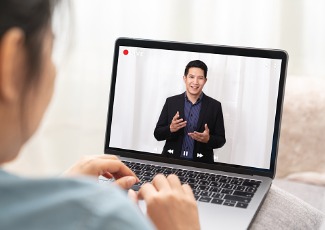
192,122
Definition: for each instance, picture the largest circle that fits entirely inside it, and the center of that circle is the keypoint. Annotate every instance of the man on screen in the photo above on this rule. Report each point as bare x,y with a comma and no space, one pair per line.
191,123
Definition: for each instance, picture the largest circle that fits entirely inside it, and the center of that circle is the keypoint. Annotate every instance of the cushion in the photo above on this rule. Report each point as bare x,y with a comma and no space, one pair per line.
281,210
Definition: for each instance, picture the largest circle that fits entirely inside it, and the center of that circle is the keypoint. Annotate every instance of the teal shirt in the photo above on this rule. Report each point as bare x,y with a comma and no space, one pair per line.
59,203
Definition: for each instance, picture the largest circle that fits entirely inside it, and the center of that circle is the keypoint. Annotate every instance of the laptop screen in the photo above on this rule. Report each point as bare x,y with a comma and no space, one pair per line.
149,88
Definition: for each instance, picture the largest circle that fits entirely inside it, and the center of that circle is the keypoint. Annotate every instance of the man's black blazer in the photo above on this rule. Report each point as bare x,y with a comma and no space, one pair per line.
210,114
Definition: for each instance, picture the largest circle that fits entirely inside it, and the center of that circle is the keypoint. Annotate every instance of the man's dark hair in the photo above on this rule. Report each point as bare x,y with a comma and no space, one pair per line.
33,17
197,64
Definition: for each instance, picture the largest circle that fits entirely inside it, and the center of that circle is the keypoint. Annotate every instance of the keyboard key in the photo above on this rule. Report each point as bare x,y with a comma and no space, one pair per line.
160,170
182,179
226,191
146,179
202,176
217,175
191,180
213,178
224,180
148,174
201,187
228,186
215,189
205,199
191,175
228,203
207,194
168,172
129,164
202,182
137,167
250,189
245,194
251,183
236,182
150,168
240,188
237,198
196,192
181,173
136,187
137,172
216,184
165,173
241,205
217,201
218,195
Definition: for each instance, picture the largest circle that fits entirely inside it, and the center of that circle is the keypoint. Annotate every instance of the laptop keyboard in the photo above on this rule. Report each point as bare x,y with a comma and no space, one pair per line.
207,187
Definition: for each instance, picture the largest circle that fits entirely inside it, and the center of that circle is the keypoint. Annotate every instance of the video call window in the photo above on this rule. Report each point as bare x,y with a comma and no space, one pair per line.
246,87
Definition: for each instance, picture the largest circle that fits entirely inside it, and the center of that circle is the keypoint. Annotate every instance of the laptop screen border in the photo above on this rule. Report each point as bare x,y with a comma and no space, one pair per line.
202,48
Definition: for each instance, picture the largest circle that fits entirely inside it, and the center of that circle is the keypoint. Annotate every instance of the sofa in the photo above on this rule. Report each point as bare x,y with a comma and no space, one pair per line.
297,196
302,140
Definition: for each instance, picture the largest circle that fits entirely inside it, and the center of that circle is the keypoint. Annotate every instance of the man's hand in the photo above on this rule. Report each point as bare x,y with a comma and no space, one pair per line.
177,123
108,166
201,137
170,205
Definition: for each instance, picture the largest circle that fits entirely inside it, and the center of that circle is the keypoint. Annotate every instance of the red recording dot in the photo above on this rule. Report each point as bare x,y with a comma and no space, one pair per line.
125,52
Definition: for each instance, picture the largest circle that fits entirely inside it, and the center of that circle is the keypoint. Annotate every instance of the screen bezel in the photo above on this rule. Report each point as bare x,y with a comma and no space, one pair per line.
201,48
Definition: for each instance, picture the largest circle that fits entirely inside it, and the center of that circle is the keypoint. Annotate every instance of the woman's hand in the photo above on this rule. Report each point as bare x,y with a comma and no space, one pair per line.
108,166
170,205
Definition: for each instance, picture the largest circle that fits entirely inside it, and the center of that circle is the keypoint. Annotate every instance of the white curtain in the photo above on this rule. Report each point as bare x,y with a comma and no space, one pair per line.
76,119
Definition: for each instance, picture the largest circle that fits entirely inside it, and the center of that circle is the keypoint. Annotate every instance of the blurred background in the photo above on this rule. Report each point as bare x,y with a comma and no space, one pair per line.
75,122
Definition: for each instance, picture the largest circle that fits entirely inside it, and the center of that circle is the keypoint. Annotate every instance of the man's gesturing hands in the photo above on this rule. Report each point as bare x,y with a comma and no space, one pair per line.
177,123
201,137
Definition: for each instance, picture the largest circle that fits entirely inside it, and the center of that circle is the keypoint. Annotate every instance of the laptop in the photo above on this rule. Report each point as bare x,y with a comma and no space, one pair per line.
248,84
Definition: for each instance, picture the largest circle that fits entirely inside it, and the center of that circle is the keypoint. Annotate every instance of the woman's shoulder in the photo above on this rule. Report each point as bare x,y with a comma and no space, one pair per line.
53,185
66,203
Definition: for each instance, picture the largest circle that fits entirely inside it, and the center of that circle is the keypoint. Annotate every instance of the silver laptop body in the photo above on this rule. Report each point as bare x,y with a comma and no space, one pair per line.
249,84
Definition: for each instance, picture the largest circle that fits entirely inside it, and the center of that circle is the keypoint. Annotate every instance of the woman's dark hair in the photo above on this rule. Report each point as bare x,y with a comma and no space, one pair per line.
198,64
33,17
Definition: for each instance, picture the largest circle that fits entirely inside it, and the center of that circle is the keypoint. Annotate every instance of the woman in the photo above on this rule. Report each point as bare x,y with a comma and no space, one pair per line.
26,85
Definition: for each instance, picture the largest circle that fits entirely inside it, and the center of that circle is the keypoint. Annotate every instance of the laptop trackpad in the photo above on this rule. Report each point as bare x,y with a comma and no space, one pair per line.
223,217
